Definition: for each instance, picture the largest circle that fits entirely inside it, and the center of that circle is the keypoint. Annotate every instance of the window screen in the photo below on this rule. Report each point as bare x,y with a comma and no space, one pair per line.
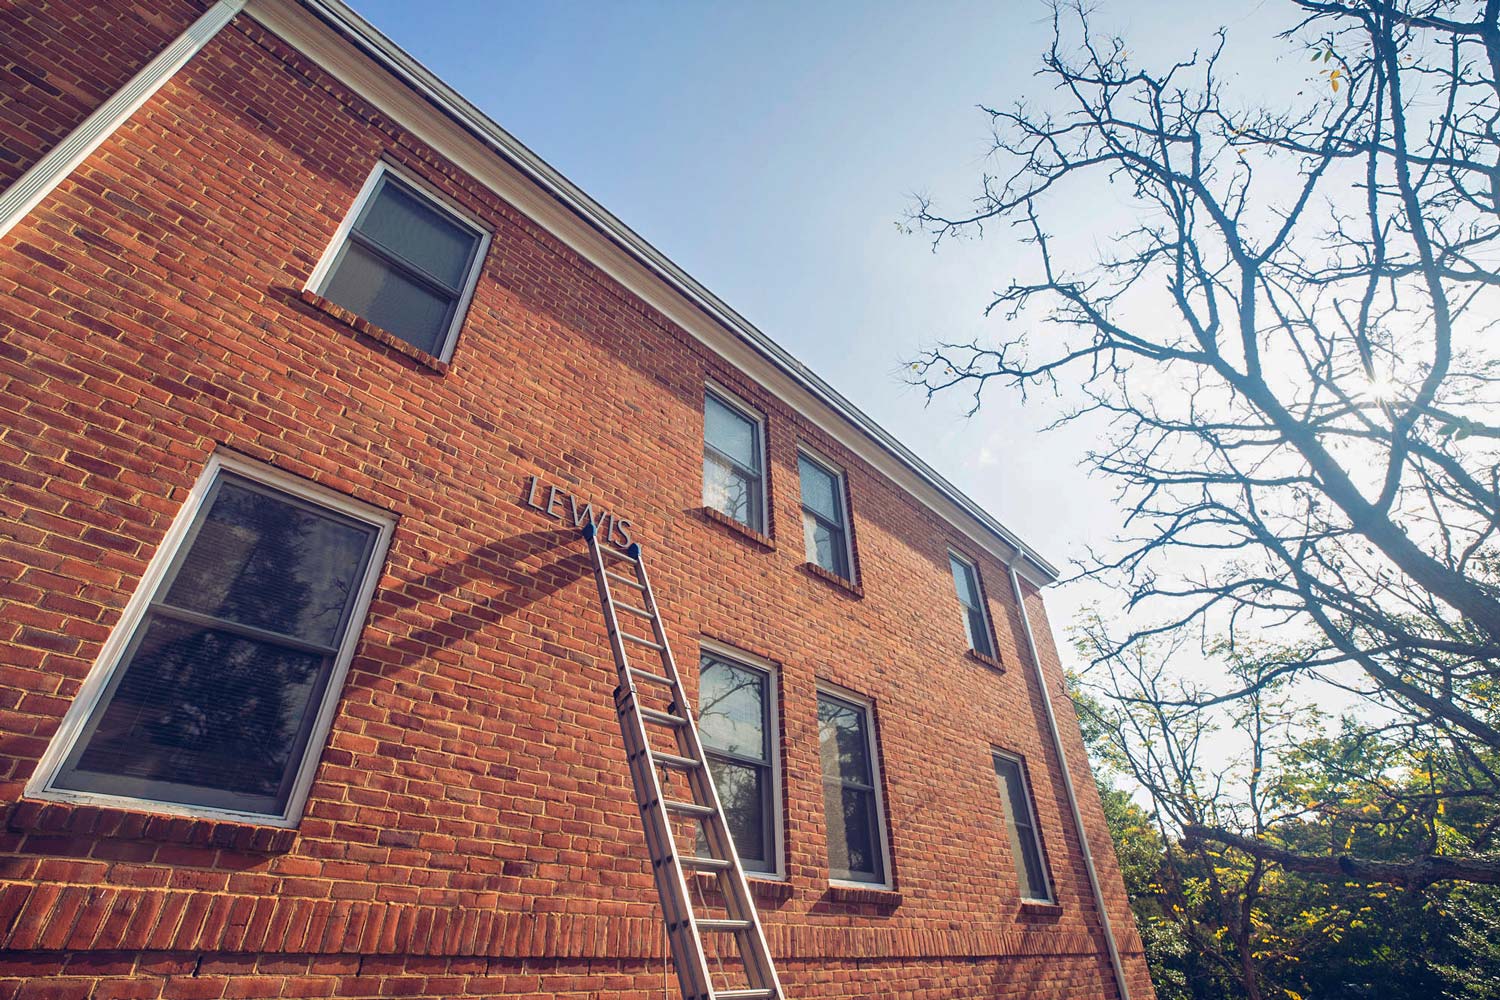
215,696
405,265
855,851
735,724
1020,824
976,625
732,463
823,517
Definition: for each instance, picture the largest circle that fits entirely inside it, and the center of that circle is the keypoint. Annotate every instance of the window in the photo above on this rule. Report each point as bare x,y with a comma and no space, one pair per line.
851,801
823,527
976,623
222,675
733,449
736,726
405,262
1020,823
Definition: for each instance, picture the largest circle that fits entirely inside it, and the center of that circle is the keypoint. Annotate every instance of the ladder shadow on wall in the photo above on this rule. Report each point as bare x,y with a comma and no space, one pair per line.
496,581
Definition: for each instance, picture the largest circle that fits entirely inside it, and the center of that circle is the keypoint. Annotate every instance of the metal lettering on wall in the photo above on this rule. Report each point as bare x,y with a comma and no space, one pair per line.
560,504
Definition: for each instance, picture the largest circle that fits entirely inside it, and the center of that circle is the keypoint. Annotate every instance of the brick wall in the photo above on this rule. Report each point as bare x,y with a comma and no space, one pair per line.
470,831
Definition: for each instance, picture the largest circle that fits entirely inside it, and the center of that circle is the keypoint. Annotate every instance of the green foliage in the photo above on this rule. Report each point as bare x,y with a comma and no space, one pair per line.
1214,919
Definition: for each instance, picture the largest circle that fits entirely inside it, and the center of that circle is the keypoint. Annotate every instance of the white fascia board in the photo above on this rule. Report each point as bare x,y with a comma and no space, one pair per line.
43,177
363,59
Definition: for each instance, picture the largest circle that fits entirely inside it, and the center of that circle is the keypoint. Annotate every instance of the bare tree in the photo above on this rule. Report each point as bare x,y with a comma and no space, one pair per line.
1291,346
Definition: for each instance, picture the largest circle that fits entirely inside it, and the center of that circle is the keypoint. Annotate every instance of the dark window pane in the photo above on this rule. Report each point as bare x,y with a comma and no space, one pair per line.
732,709
201,710
403,223
366,284
979,632
1021,828
258,560
820,490
732,433
853,852
730,492
745,794
842,743
825,546
203,717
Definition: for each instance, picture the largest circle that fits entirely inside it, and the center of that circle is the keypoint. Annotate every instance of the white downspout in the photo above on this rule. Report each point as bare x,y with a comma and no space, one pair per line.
1062,759
48,172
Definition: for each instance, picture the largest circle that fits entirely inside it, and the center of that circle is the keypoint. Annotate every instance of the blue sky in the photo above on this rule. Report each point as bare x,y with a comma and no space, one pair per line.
770,149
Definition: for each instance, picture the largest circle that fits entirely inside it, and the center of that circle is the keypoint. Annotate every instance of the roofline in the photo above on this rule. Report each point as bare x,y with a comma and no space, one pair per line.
367,38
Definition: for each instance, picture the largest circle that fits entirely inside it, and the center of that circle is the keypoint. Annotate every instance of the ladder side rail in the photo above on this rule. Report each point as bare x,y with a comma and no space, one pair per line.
761,971
687,950
666,867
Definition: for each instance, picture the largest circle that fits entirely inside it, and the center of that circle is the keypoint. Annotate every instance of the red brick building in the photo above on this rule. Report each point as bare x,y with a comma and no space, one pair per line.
308,372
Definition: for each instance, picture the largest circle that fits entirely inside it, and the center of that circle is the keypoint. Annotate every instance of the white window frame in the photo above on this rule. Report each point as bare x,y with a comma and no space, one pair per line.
873,740
723,651
110,655
841,494
984,604
744,409
1036,826
318,280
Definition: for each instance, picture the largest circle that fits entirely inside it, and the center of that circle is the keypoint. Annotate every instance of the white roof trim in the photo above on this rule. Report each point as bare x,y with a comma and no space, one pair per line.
590,229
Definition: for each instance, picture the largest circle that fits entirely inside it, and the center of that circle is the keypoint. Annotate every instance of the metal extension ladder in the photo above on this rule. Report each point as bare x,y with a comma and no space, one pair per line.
670,865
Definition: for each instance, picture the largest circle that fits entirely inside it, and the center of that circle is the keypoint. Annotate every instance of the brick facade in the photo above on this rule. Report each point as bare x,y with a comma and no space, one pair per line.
470,831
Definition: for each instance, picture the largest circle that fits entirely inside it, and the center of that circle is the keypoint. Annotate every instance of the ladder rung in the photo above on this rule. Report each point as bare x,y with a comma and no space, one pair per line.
638,585
723,925
672,760
663,718
752,994
647,675
652,643
632,609
704,864
614,553
687,808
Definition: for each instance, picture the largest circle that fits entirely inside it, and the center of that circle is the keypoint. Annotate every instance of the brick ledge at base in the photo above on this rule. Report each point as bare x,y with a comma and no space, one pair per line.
50,917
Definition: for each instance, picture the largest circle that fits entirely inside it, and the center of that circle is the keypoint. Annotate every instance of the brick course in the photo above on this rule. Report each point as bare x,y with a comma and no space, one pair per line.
470,831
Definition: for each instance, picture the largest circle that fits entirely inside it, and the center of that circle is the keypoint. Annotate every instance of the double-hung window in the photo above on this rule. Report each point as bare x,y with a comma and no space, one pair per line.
216,692
736,720
734,461
1020,825
824,520
404,261
851,793
976,622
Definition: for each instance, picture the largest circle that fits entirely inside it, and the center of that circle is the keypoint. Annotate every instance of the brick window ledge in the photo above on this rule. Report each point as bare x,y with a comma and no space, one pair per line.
761,887
833,579
888,898
35,817
381,336
744,531
1040,908
988,661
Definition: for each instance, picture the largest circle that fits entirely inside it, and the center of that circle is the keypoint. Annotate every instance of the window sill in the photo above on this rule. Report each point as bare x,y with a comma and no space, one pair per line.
718,517
363,326
843,893
988,661
33,816
848,586
768,887
1040,908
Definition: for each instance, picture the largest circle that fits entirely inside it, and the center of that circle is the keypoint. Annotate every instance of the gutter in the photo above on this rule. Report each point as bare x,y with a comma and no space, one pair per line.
1115,964
338,16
